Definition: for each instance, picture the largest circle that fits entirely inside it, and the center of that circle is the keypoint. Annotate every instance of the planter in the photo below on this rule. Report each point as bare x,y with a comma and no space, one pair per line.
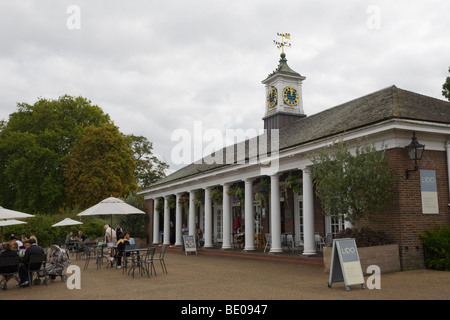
386,257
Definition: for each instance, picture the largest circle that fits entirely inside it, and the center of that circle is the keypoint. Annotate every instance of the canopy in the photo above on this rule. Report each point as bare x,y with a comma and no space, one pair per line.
67,222
6,214
110,206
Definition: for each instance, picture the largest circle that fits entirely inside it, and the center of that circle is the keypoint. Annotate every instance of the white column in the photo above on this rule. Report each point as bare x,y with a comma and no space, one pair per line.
191,218
226,233
155,221
208,218
275,214
178,221
166,221
249,218
308,213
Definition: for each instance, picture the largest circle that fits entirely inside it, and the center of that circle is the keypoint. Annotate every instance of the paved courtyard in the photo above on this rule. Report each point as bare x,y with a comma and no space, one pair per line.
210,277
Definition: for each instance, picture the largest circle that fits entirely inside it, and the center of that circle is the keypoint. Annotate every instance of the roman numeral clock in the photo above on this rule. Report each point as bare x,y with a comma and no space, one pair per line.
283,91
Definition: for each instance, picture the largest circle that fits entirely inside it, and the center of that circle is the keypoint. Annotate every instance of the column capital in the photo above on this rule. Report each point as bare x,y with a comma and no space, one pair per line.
306,169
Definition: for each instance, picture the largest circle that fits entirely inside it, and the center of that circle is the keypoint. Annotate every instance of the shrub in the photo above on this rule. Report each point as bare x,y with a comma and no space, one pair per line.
365,237
436,247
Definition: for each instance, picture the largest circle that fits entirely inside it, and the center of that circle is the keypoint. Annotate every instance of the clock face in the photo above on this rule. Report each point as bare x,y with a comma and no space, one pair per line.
272,97
291,96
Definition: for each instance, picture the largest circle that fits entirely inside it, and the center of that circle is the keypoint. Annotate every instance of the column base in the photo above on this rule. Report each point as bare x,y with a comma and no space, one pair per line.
276,250
309,253
249,249
227,247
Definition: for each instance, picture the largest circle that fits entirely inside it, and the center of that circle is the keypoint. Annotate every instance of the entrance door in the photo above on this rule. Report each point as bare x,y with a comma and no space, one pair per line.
298,219
218,224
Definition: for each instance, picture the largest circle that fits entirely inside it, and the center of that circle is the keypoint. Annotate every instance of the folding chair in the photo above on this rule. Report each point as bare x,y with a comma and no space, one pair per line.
10,266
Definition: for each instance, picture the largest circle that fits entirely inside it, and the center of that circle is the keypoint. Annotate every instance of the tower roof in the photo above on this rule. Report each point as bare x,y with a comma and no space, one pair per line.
283,68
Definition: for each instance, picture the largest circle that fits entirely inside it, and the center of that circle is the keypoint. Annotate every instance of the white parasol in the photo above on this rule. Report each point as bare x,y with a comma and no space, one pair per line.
7,214
67,222
111,206
10,222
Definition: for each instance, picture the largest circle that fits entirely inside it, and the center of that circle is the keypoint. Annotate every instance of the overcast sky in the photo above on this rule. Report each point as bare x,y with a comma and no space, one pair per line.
158,66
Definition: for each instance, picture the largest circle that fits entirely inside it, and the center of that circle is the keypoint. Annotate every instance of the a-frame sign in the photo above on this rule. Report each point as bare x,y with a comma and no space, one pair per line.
345,264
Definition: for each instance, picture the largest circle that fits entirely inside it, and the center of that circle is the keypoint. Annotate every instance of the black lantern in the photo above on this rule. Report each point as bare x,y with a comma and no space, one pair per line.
415,152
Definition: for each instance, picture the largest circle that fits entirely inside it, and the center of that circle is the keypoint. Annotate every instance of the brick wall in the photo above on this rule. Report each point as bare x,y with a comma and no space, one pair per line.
403,219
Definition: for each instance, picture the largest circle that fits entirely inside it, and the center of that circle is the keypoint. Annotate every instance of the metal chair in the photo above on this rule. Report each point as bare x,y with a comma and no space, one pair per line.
10,267
145,263
93,253
268,241
36,266
162,253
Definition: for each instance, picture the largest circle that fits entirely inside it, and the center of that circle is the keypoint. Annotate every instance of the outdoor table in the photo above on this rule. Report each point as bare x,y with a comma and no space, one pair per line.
135,259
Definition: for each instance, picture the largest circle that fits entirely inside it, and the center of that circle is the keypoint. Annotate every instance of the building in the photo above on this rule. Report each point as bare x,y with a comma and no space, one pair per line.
240,185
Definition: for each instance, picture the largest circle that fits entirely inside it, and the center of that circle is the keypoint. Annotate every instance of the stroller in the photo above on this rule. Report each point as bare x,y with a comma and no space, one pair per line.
58,261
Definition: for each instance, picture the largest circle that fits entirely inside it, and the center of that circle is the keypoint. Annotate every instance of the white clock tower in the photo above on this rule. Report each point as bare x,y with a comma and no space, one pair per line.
284,98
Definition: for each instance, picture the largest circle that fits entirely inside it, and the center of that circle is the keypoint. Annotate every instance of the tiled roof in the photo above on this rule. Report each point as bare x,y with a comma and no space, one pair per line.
379,106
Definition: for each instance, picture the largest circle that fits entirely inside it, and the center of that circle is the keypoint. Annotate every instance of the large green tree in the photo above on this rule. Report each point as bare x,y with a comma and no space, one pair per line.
149,168
446,87
33,143
354,185
100,164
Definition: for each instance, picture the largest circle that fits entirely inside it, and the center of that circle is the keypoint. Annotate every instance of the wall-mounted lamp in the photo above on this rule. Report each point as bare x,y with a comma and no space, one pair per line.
415,152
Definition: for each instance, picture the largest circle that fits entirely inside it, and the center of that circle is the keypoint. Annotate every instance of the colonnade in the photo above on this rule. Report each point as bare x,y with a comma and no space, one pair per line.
275,215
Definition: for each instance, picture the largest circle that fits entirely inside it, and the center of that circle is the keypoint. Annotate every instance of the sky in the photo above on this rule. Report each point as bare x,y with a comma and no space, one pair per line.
158,66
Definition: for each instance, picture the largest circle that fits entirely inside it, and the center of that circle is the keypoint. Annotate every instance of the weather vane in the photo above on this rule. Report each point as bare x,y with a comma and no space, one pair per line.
283,43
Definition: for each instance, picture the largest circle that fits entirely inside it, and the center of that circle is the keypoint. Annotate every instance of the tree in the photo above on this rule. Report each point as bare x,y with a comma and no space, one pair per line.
99,165
352,185
149,168
32,145
446,88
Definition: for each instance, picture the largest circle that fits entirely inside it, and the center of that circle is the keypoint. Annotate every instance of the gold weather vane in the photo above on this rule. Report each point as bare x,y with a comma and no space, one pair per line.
283,43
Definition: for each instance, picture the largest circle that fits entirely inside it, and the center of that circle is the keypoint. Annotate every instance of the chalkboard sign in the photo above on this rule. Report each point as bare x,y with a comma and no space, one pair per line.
345,264
189,244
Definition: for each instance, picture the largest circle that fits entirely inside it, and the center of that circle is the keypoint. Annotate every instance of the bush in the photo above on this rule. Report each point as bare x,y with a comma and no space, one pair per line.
365,237
436,247
40,226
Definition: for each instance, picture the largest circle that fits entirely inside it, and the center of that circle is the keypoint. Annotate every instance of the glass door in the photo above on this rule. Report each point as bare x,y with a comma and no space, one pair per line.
218,223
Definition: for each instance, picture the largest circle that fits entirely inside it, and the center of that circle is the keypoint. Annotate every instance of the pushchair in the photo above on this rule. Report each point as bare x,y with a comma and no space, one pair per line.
58,261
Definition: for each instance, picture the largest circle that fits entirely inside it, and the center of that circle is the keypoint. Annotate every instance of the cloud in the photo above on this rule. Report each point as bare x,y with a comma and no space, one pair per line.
156,66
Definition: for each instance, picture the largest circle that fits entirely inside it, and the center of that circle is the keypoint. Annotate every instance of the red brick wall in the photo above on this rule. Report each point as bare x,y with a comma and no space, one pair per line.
403,219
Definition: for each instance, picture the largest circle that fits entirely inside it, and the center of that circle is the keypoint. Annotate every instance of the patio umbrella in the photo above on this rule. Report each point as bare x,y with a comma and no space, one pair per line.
6,214
67,222
111,206
10,222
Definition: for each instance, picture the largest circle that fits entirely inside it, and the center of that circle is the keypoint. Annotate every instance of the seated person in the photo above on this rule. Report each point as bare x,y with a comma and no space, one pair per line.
23,271
70,241
7,253
121,243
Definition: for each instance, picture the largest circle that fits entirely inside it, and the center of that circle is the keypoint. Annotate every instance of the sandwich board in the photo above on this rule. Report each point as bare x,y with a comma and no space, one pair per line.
345,264
189,244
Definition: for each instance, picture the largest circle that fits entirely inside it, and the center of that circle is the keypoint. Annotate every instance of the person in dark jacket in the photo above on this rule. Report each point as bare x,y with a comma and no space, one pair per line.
8,253
33,249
